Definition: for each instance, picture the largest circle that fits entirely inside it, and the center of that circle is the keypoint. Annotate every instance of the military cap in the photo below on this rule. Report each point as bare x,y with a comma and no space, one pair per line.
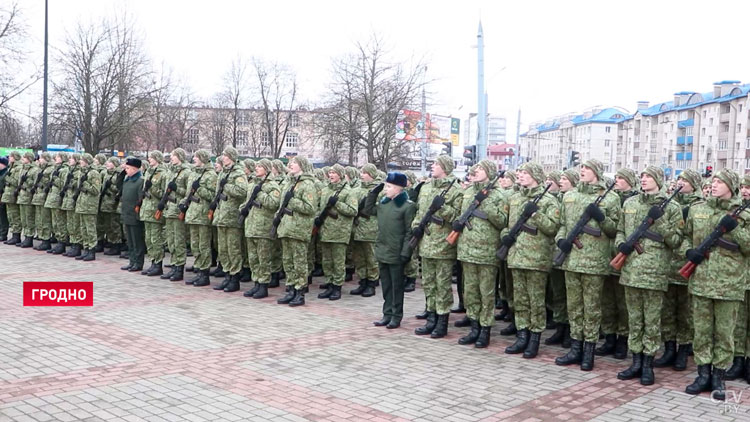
371,170
730,178
572,175
489,167
88,158
691,176
629,176
231,153
446,162
656,173
534,169
156,156
596,166
180,154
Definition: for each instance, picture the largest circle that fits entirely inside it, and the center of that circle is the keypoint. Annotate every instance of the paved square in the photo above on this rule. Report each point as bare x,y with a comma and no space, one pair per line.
153,350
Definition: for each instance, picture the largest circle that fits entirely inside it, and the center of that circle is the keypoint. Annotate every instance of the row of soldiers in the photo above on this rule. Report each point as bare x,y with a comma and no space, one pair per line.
284,214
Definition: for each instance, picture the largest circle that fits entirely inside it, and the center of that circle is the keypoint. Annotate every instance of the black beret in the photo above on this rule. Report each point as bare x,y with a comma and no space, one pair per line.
396,178
4,160
134,162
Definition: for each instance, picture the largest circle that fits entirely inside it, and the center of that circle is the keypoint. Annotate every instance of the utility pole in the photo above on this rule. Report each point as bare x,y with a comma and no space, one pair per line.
423,131
481,141
44,101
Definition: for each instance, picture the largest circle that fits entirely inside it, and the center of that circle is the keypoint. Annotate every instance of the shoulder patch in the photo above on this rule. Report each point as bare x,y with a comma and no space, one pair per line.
239,179
628,211
701,216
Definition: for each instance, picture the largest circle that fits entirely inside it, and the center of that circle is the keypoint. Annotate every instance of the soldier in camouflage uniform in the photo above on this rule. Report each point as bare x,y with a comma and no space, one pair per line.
364,236
245,273
557,312
176,176
718,284
3,213
588,267
202,188
295,227
12,180
676,318
614,309
277,269
53,202
69,206
28,215
352,179
156,175
477,245
39,196
645,275
87,205
99,165
438,256
109,212
740,368
411,270
530,256
505,283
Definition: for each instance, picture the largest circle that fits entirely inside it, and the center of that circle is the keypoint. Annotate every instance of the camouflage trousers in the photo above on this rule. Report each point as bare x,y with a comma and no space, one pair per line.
200,244
363,254
528,298
88,230
506,284
259,256
437,275
479,292
60,224
644,319
584,305
676,320
741,339
334,262
14,217
243,247
28,219
230,249
314,248
411,269
557,300
350,252
714,321
614,308
276,256
110,227
100,228
176,241
74,226
43,222
295,262
154,241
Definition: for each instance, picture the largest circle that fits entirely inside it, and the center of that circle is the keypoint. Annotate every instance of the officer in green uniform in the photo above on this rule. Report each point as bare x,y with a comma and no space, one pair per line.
153,188
365,235
28,215
177,176
645,275
38,197
202,188
12,180
132,187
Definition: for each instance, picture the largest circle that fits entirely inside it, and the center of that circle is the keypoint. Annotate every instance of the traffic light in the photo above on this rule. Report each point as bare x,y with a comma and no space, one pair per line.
470,153
574,159
448,148
709,171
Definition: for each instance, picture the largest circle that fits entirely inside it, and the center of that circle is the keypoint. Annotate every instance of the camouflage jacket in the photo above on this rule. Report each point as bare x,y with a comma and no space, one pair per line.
365,227
197,212
722,275
650,269
433,244
40,196
12,178
109,179
73,172
233,194
180,174
479,243
678,255
55,184
151,199
24,195
89,189
596,253
533,252
304,208
258,222
337,227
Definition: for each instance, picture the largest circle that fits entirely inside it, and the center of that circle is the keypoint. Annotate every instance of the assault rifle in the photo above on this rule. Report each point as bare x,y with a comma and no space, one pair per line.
20,183
510,239
245,211
215,203
429,216
144,191
321,218
118,184
190,198
283,210
66,185
81,181
165,197
36,182
472,211
55,173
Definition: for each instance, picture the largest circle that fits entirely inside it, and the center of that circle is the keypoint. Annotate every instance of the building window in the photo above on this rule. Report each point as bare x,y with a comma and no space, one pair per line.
704,113
606,142
607,129
722,144
242,137
192,136
739,127
703,131
241,118
291,140
711,121
739,108
294,121
264,139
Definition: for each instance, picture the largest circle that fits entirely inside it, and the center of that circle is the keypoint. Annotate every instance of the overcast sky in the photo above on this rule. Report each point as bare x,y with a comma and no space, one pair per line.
559,56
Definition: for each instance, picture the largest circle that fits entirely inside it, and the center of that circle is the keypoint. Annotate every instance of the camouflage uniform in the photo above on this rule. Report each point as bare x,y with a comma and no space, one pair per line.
109,213
28,215
87,204
741,364
506,277
226,214
203,178
176,230
336,231
364,236
154,229
53,202
68,205
43,215
12,180
276,251
258,224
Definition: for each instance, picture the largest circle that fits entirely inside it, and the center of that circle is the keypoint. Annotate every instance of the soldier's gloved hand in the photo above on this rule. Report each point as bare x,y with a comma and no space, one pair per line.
694,256
458,226
160,206
405,259
196,184
595,213
172,186
564,245
288,196
529,209
244,211
223,181
655,212
183,207
377,189
318,222
332,201
417,232
481,195
438,202
507,240
625,248
728,223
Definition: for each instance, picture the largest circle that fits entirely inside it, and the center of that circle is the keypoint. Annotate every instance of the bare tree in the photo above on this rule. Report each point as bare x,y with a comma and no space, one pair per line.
218,124
14,80
106,85
276,86
234,93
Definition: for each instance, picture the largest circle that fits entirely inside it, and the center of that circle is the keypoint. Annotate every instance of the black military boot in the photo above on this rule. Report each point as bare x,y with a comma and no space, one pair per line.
410,284
317,271
349,274
234,284
383,321
680,360
587,358
194,279
522,341
262,291
44,246
369,289
252,291
113,250
550,324
484,338
178,274
16,238
218,271
668,357
441,328
224,283
510,329
737,370
532,349
274,280
157,270
327,292
635,370
747,370
360,288
127,267
573,356
246,275
90,255
608,347
167,276
717,384
429,325
205,280
77,250
99,246
58,249
82,255
473,335
136,268
566,337
287,297
647,370
463,322
298,299
144,272
503,311
336,293
557,336
422,315
621,348
28,242
702,381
